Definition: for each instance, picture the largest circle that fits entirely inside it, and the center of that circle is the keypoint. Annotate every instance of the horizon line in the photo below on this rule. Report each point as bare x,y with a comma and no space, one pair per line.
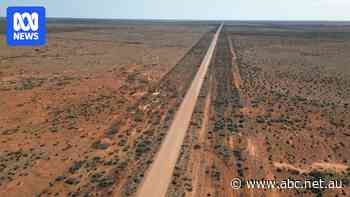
210,20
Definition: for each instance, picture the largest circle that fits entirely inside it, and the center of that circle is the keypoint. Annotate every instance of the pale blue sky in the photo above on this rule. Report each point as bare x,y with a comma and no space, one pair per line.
193,9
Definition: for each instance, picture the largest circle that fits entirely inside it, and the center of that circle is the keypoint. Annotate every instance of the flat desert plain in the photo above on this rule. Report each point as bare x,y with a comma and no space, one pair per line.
86,114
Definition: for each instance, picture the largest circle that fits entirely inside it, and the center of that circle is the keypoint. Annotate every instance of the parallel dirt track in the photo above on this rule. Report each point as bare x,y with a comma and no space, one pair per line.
249,135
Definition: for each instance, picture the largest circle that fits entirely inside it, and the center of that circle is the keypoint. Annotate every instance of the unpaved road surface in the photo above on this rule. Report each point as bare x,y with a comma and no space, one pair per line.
158,178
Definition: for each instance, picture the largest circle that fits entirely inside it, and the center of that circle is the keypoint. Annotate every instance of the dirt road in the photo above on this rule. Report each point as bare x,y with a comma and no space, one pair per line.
159,176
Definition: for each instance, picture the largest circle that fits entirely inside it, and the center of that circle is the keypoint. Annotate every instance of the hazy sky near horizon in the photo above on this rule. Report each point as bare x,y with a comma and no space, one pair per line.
192,9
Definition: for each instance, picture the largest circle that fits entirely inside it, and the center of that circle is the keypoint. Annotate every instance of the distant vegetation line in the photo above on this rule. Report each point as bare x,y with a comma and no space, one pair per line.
2,25
243,23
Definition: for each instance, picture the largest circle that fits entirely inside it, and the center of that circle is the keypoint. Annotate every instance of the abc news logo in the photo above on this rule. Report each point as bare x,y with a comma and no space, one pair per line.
26,26
32,25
